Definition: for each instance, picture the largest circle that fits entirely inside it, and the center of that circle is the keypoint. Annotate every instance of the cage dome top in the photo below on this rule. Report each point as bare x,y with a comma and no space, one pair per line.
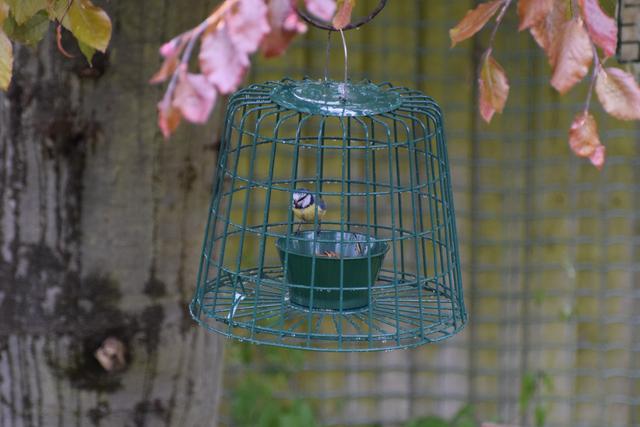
327,97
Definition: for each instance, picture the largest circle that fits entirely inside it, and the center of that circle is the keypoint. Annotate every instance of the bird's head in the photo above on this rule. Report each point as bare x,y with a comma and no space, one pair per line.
302,199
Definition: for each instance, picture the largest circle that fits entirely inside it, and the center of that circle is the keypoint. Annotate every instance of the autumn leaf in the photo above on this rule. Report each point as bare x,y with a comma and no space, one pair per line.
6,61
474,21
89,24
532,12
547,32
285,25
602,28
195,97
4,11
584,139
323,9
220,61
343,15
169,118
247,25
494,87
618,93
171,52
23,10
573,56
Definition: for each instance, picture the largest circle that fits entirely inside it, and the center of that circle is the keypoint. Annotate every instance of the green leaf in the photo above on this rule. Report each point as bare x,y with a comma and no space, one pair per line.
300,414
548,382
540,416
23,10
429,422
87,51
6,61
29,33
465,417
90,24
57,9
527,390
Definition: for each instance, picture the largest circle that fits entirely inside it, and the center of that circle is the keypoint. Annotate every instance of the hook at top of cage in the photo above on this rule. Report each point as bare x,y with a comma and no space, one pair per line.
327,26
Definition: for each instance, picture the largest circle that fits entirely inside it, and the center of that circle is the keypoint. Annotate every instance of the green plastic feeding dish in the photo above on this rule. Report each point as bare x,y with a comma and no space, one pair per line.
331,270
332,225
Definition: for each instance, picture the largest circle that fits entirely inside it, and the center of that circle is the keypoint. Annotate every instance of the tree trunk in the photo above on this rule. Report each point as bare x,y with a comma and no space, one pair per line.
101,224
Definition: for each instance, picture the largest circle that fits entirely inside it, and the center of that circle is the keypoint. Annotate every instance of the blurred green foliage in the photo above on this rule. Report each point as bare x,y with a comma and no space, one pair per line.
533,386
464,418
258,397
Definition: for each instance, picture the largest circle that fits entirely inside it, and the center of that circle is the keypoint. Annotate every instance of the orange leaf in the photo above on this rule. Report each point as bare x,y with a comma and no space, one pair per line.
171,52
343,15
548,30
168,67
618,93
584,139
474,21
573,56
169,118
494,87
532,12
602,28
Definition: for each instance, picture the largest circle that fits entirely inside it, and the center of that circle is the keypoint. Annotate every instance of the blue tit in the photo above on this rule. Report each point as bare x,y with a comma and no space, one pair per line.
305,206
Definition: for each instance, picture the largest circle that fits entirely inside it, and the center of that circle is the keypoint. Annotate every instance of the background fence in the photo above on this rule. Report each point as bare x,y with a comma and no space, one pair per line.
550,246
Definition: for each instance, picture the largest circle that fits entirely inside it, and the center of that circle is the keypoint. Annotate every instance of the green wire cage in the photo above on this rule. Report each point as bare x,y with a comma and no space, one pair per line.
332,224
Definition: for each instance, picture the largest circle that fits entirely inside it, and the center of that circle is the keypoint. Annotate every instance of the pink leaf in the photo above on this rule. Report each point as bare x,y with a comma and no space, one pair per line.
247,25
343,15
598,157
547,32
285,25
222,64
532,12
602,28
474,21
573,56
618,93
323,9
195,97
171,47
584,139
494,88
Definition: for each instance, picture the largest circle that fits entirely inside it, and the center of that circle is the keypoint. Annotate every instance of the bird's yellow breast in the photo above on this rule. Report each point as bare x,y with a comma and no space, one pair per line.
308,214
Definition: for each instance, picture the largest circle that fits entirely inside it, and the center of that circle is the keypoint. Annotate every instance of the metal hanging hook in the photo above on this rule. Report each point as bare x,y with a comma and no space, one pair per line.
327,26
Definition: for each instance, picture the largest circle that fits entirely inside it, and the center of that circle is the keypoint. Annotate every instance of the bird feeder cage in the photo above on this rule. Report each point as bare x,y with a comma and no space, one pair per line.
332,224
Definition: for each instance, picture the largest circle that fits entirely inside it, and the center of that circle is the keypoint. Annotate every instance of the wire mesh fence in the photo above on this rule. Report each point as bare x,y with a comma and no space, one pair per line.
550,247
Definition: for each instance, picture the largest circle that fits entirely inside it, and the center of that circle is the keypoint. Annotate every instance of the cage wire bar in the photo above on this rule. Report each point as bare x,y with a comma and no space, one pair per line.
378,161
550,247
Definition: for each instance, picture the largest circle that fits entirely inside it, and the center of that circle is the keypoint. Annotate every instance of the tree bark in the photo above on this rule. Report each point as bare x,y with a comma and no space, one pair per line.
101,223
